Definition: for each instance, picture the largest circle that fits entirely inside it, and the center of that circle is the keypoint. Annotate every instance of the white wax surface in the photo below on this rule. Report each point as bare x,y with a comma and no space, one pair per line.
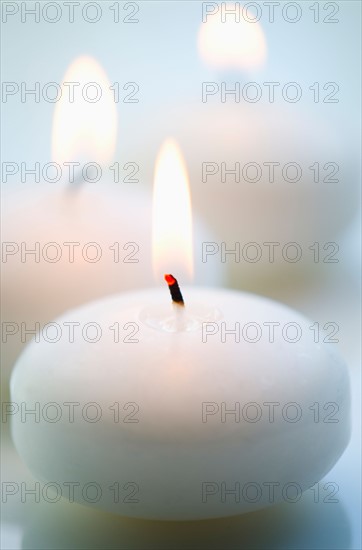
35,290
170,452
101,213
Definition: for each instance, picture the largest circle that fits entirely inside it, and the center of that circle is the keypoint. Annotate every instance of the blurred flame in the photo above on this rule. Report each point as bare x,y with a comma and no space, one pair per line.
172,220
233,45
84,131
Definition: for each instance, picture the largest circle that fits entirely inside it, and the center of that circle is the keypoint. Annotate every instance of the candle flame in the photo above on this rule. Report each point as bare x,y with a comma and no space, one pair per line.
85,117
232,44
172,219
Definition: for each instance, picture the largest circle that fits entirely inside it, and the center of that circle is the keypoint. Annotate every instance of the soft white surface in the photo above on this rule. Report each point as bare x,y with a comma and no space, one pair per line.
171,452
304,525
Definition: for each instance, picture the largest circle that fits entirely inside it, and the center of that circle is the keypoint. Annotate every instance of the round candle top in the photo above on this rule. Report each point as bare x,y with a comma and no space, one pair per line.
177,405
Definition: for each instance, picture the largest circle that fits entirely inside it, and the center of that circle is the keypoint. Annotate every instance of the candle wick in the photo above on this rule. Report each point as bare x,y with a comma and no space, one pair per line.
175,291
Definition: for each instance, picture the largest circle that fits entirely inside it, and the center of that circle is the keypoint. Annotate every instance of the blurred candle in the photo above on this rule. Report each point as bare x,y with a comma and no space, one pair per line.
261,171
67,242
277,172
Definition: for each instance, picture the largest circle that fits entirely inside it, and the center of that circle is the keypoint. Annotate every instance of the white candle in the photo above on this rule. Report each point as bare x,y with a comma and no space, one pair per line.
80,236
162,403
67,242
261,169
291,165
165,411
62,248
